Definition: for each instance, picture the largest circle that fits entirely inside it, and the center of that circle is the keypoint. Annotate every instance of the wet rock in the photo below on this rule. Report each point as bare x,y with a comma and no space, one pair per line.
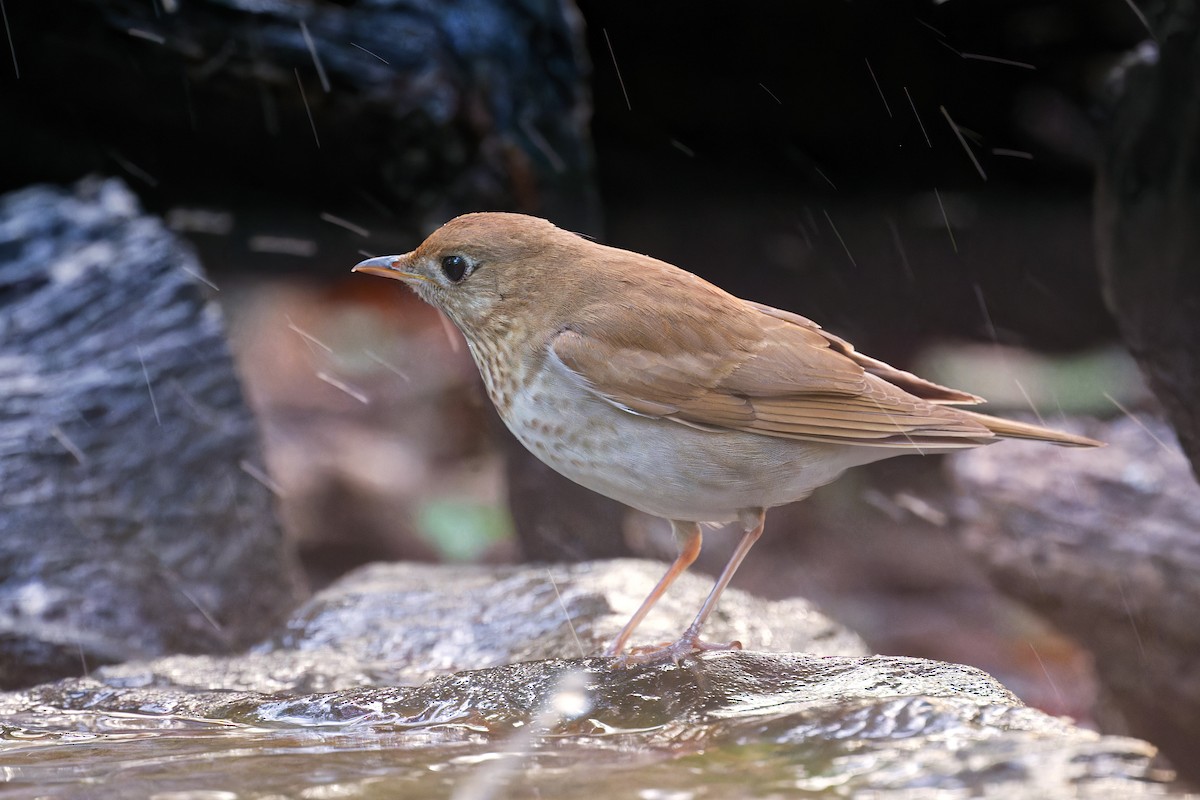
1106,547
388,624
727,725
132,524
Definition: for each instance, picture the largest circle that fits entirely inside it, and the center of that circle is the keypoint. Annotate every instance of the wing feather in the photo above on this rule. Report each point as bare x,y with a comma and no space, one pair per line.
760,370
926,390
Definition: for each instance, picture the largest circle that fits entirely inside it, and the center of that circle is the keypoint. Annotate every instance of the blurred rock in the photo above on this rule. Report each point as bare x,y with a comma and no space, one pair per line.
730,725
1147,205
135,519
1104,544
411,108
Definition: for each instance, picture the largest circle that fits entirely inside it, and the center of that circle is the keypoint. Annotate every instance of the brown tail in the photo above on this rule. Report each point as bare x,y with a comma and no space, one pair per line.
1011,429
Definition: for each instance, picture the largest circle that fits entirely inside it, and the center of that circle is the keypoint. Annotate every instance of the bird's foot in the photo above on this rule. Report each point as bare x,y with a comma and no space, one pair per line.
687,645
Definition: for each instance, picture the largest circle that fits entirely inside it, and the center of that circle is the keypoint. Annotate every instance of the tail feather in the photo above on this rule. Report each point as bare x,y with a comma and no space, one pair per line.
1011,429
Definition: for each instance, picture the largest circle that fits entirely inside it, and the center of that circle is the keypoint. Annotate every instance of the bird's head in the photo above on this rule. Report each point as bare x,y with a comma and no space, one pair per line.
480,266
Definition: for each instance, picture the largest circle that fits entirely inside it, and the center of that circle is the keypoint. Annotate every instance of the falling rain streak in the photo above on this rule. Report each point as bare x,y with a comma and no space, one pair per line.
768,91
900,249
1021,388
8,32
1005,152
1137,634
543,146
987,315
389,366
566,614
67,444
683,148
149,36
200,277
306,336
312,49
178,584
344,387
918,116
149,387
838,234
1053,686
344,223
925,24
307,110
133,169
1132,6
1121,407
949,230
1008,62
899,428
826,177
201,412
879,89
368,52
963,142
262,477
620,80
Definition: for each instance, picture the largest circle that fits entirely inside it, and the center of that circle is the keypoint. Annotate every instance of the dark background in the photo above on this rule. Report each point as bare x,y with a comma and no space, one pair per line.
735,132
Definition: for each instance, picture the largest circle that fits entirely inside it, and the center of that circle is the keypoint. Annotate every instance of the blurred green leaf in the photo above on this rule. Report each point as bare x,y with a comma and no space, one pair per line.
1012,378
462,531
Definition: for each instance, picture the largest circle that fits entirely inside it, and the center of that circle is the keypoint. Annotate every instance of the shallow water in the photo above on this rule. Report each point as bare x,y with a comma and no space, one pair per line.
732,726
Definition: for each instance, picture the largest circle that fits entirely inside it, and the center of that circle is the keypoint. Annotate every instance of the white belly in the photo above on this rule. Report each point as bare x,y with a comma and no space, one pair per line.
663,467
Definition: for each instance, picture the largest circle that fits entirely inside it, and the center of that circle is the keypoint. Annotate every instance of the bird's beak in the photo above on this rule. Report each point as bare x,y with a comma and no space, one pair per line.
389,267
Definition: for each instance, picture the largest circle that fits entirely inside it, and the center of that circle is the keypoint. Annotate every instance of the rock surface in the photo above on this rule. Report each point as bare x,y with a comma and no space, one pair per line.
1109,551
326,708
133,523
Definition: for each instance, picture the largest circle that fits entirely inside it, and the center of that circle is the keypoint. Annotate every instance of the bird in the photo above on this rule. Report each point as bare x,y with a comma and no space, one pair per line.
652,386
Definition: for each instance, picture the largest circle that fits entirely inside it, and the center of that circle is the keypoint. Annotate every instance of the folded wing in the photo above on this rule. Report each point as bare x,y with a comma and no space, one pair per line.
761,370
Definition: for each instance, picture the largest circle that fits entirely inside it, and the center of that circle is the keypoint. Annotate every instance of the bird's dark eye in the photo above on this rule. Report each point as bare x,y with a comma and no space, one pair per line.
455,268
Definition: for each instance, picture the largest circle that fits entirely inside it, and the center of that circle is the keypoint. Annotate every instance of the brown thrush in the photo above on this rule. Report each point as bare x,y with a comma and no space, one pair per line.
654,387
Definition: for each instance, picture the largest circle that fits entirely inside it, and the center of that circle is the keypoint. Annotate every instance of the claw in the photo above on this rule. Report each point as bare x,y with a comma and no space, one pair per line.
687,645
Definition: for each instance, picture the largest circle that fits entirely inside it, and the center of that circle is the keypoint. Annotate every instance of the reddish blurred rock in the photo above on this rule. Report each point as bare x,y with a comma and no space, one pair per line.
369,410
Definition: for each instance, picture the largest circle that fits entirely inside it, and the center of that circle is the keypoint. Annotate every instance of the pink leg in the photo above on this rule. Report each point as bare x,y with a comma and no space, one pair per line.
688,538
752,522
